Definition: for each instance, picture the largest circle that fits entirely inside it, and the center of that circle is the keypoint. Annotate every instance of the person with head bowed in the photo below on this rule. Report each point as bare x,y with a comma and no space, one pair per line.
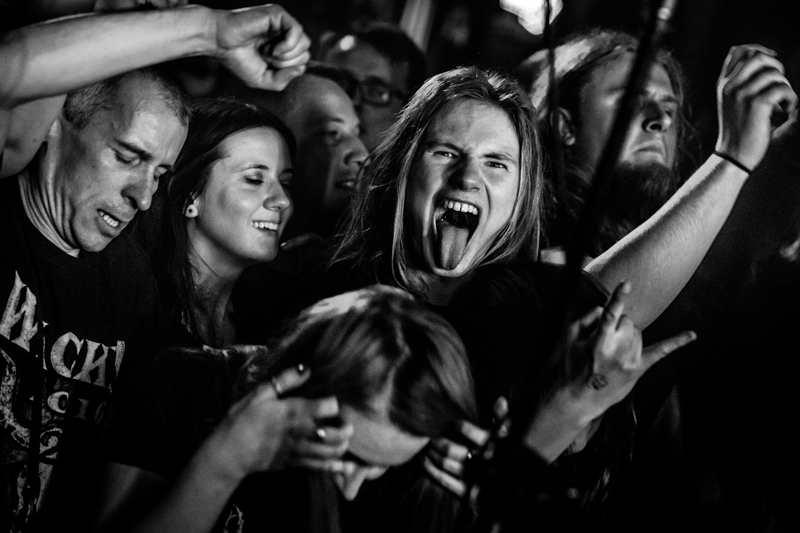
354,385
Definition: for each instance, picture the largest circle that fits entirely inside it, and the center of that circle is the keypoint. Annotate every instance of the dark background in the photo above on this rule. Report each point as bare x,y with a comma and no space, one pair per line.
480,32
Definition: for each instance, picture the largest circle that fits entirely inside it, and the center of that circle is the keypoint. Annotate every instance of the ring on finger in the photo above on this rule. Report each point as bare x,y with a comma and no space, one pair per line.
320,434
277,386
598,381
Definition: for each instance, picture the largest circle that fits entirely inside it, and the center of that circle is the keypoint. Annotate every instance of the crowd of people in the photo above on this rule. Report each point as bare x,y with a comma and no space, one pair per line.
344,305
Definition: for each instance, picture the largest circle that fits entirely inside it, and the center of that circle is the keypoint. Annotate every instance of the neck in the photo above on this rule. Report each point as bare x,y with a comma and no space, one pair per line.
40,202
214,285
435,289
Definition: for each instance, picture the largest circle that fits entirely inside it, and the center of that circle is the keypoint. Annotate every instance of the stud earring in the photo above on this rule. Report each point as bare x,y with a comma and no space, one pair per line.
191,211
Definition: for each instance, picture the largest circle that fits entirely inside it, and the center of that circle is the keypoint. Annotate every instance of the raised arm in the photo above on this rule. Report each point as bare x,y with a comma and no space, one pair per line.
263,45
660,256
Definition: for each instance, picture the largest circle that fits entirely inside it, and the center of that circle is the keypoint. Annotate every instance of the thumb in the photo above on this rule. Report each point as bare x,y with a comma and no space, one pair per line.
655,352
281,78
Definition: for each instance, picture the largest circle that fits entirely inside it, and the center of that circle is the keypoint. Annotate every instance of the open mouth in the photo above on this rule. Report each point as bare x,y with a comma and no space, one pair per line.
108,219
264,225
455,224
348,185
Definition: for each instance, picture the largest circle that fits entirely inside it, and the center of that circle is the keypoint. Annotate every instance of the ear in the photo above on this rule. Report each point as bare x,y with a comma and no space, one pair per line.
561,122
192,209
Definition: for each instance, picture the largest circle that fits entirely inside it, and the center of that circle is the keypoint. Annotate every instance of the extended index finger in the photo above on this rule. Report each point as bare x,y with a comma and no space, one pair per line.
654,353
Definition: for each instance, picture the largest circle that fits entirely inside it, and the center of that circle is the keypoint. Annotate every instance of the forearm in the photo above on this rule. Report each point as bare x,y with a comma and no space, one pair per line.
196,499
26,127
555,426
59,56
660,256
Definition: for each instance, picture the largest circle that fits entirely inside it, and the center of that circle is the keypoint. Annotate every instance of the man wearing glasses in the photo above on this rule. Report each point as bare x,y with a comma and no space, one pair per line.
384,68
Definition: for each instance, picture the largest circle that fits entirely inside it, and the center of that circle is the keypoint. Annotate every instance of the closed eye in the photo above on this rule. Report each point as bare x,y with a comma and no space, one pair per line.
126,160
254,179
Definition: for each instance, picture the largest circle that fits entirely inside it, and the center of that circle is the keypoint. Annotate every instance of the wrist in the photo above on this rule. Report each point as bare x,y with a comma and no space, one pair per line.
218,462
557,423
204,38
733,161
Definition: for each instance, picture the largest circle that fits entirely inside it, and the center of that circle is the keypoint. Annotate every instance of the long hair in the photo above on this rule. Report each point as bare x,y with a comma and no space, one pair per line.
163,231
374,238
577,58
365,343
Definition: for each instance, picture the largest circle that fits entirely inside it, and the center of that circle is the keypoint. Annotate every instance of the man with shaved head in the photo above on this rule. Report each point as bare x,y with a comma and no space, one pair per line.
88,125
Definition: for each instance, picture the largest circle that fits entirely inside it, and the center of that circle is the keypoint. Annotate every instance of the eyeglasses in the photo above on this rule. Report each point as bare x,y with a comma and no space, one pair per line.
372,90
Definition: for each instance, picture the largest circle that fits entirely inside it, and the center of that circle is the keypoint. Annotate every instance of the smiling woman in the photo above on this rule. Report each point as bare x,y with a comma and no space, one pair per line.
222,208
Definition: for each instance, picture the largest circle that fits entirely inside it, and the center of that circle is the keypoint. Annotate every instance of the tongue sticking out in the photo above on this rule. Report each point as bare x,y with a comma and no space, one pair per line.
453,234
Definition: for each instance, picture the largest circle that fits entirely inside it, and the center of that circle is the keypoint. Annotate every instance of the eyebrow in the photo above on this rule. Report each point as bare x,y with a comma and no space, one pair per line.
143,154
434,143
502,156
255,166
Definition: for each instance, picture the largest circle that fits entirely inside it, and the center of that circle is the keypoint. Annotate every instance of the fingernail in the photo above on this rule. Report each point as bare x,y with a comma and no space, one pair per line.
301,368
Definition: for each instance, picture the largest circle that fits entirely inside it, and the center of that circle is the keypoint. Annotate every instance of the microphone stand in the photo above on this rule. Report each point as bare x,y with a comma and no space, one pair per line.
565,301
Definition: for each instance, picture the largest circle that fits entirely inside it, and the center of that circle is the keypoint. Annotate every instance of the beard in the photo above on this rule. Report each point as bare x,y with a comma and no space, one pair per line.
633,193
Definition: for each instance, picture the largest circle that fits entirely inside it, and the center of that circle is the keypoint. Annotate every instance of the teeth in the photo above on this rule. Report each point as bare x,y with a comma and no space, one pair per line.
113,222
266,225
460,206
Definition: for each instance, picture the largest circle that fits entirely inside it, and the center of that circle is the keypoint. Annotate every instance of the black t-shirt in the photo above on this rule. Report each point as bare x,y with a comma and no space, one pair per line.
95,319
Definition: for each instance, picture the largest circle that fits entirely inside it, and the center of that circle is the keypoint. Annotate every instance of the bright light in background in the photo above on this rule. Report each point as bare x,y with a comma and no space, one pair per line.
531,12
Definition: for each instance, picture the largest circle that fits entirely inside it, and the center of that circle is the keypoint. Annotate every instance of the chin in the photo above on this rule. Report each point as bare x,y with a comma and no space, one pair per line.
463,267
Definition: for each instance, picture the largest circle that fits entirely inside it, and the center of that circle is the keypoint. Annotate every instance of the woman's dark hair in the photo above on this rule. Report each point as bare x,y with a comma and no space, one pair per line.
374,238
162,230
378,340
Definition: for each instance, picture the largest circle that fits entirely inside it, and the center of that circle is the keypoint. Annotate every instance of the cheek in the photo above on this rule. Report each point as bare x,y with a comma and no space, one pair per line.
504,199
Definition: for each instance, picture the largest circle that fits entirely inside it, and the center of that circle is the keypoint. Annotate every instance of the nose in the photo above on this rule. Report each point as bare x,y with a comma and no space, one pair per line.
656,118
356,96
467,175
277,199
140,189
355,154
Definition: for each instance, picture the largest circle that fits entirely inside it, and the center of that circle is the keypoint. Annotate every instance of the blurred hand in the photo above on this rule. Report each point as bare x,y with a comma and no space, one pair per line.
265,432
445,458
263,45
751,86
